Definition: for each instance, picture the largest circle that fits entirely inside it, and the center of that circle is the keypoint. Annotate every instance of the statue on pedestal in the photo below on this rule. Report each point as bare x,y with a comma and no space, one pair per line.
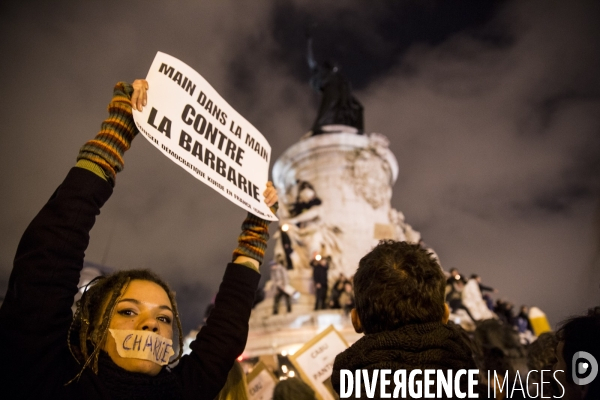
338,105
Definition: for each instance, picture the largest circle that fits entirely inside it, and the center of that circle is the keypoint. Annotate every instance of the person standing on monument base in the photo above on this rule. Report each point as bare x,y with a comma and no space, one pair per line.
336,292
51,353
320,266
347,298
280,281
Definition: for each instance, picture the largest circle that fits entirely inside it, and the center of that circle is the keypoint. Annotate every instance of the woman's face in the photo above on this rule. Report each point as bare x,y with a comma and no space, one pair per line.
143,306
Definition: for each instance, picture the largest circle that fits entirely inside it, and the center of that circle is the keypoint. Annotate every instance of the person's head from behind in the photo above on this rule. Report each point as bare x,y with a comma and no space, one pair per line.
397,284
541,356
236,387
293,389
126,300
576,335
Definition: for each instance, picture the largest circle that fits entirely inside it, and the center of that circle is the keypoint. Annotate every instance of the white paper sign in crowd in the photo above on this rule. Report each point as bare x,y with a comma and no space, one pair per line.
315,360
189,122
261,383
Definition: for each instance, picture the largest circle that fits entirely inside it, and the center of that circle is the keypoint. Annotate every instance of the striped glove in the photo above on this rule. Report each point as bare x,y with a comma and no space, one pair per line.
252,242
115,136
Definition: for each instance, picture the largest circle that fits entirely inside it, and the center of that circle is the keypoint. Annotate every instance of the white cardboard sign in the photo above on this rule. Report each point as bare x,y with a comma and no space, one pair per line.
261,383
191,124
315,360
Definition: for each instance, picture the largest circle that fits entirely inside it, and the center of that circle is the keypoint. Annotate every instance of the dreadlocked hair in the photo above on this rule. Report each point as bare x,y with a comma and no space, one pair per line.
103,293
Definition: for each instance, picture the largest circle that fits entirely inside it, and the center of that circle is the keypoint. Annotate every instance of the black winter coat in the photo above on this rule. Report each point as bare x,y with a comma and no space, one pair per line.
36,313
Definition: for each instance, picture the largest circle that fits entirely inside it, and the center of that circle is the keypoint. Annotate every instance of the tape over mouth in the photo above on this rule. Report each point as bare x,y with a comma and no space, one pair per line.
143,345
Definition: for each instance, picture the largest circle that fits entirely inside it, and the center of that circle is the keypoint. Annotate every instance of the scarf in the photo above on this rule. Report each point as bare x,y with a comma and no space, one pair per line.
122,384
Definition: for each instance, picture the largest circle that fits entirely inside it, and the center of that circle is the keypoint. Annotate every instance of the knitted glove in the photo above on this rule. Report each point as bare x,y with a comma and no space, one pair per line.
252,242
115,136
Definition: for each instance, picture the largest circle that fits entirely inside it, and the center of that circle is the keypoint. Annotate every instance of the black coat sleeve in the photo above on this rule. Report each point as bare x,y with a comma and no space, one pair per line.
36,314
204,372
483,288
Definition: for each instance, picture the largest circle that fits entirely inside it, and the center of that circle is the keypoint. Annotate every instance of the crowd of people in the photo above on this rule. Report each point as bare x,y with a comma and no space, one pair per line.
403,303
399,298
340,296
400,293
458,289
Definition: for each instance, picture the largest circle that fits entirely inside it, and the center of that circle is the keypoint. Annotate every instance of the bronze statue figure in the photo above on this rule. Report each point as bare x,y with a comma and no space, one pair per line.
338,105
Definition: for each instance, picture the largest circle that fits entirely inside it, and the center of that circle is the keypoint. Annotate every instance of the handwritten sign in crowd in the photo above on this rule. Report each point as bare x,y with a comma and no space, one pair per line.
191,124
314,361
261,383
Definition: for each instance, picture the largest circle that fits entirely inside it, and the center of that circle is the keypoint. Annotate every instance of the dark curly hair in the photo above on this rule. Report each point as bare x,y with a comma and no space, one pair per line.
581,334
94,313
397,284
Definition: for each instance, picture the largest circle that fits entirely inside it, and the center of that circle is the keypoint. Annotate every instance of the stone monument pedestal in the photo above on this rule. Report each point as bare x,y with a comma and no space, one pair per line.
351,176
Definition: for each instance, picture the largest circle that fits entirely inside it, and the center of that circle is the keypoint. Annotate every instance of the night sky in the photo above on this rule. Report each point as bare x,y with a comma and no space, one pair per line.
492,109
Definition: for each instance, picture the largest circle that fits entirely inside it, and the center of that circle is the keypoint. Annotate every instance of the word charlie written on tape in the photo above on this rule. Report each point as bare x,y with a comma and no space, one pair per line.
143,345
191,124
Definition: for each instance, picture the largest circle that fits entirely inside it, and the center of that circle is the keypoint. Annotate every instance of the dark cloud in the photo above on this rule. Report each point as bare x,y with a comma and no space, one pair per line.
503,140
369,41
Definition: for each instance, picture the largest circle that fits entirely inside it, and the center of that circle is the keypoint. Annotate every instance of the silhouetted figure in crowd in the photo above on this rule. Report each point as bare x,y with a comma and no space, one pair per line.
454,287
484,292
320,266
504,311
347,298
336,292
281,282
522,320
482,287
286,243
455,276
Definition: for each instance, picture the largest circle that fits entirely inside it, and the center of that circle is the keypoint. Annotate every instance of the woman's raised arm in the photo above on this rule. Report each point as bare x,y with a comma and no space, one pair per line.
36,313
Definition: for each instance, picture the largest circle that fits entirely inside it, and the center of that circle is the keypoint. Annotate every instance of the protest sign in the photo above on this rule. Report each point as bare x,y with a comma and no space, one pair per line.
261,383
314,361
187,120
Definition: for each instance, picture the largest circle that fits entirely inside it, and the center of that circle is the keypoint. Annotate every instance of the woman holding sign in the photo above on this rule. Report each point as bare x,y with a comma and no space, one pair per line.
120,340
